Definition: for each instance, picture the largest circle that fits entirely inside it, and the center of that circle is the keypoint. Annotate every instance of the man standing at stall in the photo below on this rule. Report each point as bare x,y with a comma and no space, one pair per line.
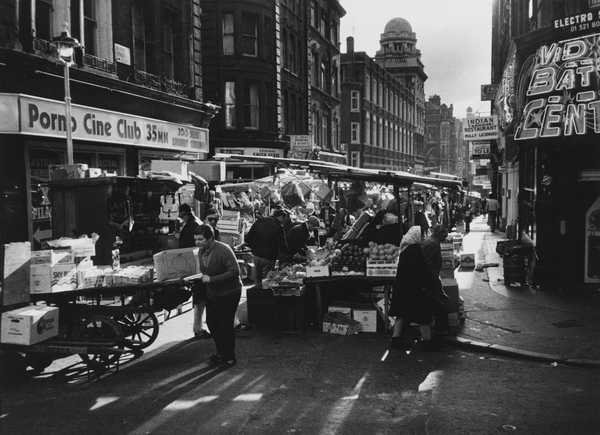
221,276
298,236
191,223
267,241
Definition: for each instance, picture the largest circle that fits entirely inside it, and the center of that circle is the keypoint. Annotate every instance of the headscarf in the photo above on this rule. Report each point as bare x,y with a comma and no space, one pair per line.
412,237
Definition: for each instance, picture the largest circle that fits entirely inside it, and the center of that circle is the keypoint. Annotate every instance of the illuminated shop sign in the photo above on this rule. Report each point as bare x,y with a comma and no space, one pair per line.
562,93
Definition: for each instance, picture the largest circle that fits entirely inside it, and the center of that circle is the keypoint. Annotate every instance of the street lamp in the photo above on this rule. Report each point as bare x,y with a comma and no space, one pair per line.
65,46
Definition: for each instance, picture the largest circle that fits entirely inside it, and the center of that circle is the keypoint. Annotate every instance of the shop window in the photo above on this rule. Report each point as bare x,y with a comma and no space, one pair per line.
252,108
43,19
355,132
250,34
354,101
230,105
228,34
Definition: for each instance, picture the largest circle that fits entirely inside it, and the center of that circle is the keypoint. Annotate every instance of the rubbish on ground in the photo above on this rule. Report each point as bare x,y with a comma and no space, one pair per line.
554,364
508,428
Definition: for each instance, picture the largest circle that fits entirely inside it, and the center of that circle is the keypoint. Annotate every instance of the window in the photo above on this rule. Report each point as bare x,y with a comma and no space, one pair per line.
323,26
315,69
354,101
228,35
355,159
334,79
230,105
252,118
334,32
324,131
367,86
368,129
250,34
168,43
323,76
335,134
285,49
43,19
313,13
90,25
355,132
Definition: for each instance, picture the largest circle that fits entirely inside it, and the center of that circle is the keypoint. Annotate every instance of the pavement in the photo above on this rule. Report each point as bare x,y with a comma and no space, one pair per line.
561,328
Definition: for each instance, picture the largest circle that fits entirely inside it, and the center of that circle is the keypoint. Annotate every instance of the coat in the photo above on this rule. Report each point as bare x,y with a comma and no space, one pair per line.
414,280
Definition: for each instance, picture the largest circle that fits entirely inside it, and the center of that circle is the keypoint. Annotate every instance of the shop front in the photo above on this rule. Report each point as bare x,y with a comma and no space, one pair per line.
108,142
558,109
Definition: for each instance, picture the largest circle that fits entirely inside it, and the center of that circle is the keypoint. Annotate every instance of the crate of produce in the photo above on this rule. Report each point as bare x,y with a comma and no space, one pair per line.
381,268
317,271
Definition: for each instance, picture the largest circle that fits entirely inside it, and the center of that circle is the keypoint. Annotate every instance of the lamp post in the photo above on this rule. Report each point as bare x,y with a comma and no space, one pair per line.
65,46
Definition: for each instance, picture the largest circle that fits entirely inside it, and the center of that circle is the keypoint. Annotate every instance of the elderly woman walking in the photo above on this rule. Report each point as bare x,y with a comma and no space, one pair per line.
412,293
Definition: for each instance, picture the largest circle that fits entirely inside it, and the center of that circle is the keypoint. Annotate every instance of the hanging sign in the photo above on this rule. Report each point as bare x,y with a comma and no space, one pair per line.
480,150
562,98
480,128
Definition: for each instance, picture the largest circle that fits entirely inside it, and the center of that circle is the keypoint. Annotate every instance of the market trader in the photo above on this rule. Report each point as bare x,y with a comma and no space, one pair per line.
186,240
221,275
298,236
267,241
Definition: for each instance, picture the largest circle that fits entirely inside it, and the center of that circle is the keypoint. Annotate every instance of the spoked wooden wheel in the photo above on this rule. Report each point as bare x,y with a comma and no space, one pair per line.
102,332
140,329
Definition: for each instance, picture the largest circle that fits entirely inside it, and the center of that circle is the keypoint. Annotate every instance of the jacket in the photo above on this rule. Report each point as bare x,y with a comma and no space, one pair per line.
186,237
296,238
266,238
220,264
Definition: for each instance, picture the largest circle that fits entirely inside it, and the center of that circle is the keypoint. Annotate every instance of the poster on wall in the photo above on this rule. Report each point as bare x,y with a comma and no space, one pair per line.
480,150
561,98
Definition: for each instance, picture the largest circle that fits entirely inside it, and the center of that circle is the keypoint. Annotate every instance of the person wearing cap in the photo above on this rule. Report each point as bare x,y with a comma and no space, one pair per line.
212,218
298,236
191,223
266,239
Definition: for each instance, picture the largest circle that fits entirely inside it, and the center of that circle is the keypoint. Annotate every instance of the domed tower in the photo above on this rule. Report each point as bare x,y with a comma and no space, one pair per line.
399,55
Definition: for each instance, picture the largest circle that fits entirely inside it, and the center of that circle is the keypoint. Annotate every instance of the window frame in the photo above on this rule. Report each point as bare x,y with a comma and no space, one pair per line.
229,115
225,34
246,36
354,132
354,100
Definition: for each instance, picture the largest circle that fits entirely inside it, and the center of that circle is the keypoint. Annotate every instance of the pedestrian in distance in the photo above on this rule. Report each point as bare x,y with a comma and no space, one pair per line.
221,275
493,208
413,289
467,217
212,219
186,240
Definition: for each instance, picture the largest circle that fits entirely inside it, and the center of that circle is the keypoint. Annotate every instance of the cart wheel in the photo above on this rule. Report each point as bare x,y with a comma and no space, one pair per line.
99,328
139,328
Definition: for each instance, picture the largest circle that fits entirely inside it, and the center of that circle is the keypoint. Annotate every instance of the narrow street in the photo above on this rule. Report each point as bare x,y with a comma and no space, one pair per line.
312,383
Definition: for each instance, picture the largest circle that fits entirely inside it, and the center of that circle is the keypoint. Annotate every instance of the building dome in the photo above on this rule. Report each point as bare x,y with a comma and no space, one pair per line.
398,25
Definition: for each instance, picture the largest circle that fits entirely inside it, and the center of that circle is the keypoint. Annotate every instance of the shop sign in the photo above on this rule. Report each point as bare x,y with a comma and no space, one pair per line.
504,101
301,143
561,97
582,22
488,92
480,150
481,180
122,54
250,151
480,128
43,117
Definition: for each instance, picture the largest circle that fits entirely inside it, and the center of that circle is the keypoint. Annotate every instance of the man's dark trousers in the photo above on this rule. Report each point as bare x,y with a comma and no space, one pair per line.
220,314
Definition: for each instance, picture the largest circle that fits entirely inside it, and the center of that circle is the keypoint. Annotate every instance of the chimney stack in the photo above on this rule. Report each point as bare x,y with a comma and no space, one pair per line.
350,44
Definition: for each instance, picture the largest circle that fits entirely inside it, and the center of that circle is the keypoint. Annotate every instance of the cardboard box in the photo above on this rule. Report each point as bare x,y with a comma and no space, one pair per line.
176,263
52,257
337,328
340,309
178,167
367,319
317,271
46,278
29,325
15,260
80,247
380,268
94,172
450,286
65,172
467,261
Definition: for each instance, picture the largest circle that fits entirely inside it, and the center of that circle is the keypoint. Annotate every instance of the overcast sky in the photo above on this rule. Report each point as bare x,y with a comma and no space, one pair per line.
454,37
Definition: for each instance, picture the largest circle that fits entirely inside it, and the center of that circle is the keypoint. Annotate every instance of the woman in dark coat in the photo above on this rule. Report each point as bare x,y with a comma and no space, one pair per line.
415,282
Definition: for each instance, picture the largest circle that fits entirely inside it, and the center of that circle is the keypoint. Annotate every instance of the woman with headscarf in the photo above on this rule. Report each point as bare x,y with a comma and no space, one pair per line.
411,301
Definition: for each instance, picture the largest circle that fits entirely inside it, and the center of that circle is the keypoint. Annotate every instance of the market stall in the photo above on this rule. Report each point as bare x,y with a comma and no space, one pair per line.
360,258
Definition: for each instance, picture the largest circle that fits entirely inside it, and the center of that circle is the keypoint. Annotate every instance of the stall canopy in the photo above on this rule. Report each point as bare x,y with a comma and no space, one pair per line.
342,172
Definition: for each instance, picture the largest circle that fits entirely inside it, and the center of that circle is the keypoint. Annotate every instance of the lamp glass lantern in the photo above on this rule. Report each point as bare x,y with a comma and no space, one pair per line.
65,47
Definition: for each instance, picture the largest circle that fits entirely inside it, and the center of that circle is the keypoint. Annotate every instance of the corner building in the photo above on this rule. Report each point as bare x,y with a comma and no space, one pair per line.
136,89
544,61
